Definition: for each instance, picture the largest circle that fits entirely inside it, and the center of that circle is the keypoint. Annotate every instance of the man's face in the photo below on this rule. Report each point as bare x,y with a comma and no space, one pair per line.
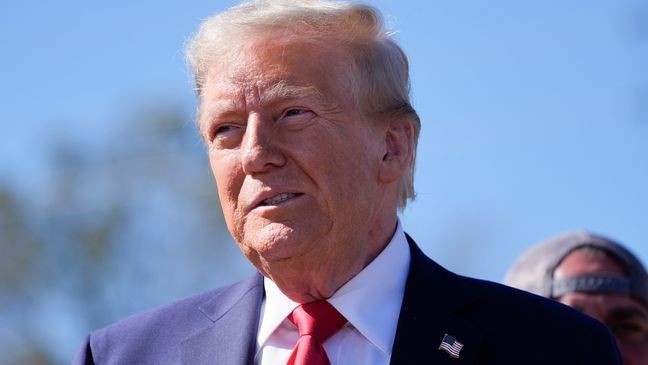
295,163
626,317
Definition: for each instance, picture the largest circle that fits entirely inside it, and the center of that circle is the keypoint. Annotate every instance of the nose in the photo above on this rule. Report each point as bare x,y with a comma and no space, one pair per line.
259,148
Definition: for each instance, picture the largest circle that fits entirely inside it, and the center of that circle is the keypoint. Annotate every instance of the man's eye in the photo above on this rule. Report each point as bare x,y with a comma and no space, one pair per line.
625,327
295,112
223,131
628,330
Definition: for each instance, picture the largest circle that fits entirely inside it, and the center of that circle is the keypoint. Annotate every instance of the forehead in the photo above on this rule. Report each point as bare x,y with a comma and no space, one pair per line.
606,306
582,262
272,63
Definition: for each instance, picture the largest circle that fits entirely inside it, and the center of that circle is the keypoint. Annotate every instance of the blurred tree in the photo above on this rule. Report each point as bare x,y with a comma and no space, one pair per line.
118,226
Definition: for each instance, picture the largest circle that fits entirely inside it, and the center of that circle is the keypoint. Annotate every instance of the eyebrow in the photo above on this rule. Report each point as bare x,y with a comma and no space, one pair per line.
275,93
625,313
215,108
205,116
284,91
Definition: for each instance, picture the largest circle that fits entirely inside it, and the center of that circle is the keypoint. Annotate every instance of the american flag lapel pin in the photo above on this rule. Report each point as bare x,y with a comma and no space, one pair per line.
450,345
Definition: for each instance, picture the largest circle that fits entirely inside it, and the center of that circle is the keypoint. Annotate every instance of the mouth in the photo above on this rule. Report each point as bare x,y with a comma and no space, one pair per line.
278,199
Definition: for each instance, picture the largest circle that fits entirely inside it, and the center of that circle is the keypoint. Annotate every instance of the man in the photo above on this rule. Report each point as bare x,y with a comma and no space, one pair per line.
304,108
596,276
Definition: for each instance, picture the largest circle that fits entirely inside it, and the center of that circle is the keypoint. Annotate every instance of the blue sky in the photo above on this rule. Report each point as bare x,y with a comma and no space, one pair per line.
534,113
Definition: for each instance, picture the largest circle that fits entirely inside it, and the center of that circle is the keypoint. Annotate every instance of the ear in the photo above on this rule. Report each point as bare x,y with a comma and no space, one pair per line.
398,153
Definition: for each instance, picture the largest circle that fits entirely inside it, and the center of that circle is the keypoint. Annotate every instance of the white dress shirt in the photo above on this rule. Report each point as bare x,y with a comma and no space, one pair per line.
370,301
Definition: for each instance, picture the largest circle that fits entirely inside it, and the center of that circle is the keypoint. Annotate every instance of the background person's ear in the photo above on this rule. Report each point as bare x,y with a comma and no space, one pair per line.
398,150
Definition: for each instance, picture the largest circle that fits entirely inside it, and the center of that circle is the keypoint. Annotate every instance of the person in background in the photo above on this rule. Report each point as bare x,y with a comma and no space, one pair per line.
595,275
304,108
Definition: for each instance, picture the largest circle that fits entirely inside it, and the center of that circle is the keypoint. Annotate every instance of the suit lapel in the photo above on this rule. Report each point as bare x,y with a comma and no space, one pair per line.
432,305
230,338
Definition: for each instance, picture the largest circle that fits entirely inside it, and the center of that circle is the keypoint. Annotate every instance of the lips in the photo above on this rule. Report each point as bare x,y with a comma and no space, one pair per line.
278,198
273,197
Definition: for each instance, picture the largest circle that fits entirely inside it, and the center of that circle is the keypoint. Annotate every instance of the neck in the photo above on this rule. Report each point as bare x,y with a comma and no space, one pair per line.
315,277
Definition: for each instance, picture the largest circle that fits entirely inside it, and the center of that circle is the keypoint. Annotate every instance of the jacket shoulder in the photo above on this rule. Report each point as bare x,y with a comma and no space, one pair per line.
498,324
152,336
513,319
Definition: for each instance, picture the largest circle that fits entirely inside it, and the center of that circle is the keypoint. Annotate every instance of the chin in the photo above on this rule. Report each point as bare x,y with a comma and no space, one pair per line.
274,242
284,240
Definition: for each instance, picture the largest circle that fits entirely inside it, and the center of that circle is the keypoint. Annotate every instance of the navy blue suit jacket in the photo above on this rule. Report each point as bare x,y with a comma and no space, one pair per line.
498,325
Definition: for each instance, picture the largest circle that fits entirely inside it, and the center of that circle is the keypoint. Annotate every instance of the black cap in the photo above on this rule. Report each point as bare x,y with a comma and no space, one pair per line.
533,270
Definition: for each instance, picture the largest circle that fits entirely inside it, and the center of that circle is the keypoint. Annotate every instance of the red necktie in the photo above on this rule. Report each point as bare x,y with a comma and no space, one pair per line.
316,322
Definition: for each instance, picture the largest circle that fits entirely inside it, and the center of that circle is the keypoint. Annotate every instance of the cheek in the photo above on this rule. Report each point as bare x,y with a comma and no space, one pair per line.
634,352
228,182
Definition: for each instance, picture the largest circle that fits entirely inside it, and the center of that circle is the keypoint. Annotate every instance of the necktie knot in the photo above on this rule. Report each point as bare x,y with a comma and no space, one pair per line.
316,322
318,319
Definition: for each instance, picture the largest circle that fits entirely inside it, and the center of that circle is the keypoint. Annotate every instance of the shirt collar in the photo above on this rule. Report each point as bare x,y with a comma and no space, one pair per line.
276,307
372,309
